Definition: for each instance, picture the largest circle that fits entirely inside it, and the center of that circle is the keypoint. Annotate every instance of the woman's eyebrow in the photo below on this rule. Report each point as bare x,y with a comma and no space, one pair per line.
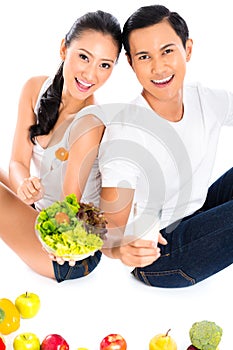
90,54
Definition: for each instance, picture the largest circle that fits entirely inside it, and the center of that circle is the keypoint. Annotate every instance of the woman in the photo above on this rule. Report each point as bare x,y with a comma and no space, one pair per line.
49,118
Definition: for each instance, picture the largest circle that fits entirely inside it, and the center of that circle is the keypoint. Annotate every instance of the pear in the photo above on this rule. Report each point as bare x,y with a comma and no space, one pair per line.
162,342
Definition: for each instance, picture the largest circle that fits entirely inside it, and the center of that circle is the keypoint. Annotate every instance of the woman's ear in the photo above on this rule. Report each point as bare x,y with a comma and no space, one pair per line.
189,47
63,50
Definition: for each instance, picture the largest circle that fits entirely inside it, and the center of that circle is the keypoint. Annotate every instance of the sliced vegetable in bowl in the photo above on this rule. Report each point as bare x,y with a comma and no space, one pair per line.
70,229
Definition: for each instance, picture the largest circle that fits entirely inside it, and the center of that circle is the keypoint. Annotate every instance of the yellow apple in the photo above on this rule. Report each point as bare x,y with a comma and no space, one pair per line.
162,342
25,341
28,304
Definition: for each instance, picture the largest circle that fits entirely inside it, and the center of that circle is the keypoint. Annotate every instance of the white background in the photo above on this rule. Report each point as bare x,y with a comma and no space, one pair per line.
110,300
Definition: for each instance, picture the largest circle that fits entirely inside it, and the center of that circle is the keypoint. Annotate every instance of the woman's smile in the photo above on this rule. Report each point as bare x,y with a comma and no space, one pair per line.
83,86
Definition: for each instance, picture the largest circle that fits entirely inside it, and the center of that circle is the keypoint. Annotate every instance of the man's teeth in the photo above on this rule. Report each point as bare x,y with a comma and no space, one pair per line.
162,81
83,83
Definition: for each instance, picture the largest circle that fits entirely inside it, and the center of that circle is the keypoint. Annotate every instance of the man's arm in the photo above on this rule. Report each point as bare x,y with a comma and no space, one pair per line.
117,203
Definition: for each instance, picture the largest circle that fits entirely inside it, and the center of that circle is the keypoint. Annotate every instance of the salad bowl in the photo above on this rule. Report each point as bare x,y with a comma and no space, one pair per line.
71,230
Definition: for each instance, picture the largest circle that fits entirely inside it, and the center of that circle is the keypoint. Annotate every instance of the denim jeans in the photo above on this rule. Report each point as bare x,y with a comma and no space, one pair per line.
200,245
80,269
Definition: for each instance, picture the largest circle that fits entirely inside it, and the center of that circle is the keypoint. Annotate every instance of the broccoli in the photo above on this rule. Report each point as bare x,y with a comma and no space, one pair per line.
205,335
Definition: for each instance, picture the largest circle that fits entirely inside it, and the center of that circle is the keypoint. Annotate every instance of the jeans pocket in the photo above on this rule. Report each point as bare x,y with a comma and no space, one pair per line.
164,279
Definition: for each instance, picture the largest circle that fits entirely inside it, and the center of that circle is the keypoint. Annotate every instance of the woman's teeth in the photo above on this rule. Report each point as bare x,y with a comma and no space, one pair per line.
84,83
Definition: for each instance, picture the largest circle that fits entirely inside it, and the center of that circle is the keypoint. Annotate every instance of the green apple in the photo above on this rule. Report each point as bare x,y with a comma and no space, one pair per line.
28,304
26,341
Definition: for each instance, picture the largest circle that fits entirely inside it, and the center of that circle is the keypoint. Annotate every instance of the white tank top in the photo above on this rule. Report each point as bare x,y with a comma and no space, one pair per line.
49,164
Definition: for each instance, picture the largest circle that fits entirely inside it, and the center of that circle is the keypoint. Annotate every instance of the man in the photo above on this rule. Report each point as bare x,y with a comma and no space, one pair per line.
158,154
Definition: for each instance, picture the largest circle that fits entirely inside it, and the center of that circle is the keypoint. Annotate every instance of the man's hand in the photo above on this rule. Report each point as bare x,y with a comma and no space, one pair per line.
139,253
133,251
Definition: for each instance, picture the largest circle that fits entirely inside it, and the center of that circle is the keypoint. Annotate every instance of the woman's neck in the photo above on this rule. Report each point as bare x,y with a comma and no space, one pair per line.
71,107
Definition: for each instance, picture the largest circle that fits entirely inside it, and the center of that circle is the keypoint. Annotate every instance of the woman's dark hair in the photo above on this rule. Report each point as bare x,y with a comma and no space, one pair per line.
147,16
98,21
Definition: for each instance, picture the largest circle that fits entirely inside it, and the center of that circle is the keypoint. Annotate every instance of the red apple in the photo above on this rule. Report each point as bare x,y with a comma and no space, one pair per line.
192,347
26,341
28,304
2,343
54,342
113,342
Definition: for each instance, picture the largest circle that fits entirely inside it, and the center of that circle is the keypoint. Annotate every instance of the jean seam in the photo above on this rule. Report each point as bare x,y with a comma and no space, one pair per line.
164,273
67,276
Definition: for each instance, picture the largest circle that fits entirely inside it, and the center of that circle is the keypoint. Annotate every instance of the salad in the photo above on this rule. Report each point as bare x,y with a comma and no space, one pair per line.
70,229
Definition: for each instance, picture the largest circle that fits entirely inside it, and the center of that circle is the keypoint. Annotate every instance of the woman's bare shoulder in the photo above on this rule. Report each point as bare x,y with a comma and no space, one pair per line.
32,87
35,82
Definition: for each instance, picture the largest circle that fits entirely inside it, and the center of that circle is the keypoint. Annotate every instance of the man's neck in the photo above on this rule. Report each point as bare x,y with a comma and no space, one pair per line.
171,110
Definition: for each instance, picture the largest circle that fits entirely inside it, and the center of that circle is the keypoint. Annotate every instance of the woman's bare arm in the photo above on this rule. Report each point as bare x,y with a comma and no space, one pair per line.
85,139
19,167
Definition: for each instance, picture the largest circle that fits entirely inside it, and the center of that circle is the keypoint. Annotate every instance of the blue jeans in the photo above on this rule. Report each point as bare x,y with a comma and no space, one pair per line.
200,246
80,269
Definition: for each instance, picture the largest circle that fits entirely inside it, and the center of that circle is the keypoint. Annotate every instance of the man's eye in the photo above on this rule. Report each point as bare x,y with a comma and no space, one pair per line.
144,57
105,65
167,51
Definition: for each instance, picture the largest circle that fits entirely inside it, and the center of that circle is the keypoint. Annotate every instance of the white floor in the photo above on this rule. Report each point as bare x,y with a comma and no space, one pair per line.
111,301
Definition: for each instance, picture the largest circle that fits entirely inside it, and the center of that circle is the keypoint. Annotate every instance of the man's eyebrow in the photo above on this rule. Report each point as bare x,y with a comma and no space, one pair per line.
161,49
166,46
141,53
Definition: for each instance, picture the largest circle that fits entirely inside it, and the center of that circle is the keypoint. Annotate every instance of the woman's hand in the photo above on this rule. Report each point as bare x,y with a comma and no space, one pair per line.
30,190
60,260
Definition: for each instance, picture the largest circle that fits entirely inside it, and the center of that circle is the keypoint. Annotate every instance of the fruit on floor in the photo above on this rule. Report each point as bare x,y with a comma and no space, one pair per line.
113,342
54,342
9,317
2,343
26,341
28,304
162,342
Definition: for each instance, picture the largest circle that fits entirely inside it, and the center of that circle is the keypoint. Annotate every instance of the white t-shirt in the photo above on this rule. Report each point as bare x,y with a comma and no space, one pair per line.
169,164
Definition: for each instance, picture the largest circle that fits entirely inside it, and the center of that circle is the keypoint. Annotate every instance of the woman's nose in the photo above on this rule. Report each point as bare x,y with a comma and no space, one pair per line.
90,73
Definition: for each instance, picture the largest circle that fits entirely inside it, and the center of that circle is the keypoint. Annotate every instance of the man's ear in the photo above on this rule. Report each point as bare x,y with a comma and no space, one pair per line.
129,59
189,48
63,49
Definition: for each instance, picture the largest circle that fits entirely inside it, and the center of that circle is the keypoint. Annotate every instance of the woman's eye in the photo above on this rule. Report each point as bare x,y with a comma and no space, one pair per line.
83,57
105,65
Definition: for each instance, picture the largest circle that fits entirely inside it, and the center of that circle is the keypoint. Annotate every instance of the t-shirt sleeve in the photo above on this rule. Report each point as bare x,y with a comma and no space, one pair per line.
219,103
117,166
229,116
